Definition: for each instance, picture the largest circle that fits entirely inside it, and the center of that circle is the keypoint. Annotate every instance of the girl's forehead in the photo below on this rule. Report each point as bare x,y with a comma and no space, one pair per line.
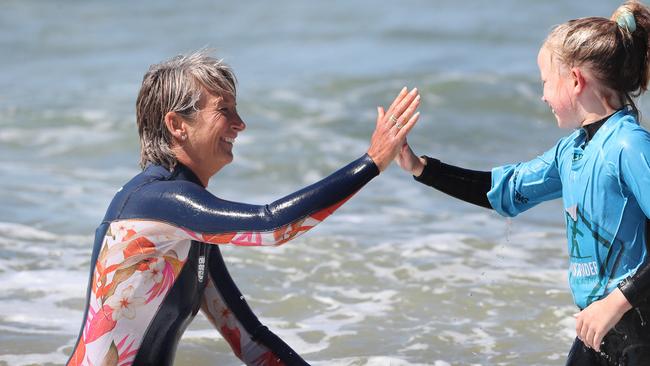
544,59
548,61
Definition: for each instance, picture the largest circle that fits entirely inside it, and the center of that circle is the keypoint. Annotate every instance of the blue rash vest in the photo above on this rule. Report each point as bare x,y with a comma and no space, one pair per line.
605,189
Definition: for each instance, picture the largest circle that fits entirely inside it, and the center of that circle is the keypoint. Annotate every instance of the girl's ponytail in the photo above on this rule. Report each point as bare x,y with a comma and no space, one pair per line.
633,21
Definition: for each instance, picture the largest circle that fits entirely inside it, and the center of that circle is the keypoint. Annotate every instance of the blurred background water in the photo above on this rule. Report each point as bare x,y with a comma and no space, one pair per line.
401,275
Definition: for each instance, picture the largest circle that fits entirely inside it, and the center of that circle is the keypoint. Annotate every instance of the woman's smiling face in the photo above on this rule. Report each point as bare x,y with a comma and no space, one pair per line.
213,131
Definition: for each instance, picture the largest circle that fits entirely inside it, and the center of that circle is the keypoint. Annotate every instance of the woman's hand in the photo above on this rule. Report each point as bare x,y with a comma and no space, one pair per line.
407,160
598,318
392,127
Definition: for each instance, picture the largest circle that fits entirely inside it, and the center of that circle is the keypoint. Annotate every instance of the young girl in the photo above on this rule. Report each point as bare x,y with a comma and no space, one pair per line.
590,68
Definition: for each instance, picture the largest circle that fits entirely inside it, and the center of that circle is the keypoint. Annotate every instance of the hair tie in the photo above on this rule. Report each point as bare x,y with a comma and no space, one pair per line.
625,19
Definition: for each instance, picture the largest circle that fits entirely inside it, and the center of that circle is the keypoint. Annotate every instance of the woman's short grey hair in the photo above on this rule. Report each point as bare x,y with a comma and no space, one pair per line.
176,85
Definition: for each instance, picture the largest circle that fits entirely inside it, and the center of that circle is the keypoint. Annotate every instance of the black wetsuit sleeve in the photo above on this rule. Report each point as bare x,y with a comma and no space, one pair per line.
636,288
190,206
468,185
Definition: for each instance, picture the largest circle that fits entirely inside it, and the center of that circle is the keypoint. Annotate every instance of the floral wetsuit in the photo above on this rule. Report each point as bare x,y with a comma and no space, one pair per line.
155,264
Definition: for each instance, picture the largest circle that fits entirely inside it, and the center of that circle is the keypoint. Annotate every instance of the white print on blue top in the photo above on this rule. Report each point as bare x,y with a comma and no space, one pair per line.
605,188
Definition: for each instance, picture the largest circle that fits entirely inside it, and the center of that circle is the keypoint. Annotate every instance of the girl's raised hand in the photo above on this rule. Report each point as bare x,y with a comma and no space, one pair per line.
407,160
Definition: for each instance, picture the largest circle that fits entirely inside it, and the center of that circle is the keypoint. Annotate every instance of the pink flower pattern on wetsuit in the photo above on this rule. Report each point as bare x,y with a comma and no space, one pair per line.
137,266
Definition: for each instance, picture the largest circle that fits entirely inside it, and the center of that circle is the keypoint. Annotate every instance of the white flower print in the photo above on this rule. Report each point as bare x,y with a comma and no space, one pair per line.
120,229
124,304
155,271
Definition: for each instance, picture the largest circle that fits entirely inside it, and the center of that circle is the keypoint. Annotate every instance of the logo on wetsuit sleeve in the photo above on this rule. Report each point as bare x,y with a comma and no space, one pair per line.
577,155
201,269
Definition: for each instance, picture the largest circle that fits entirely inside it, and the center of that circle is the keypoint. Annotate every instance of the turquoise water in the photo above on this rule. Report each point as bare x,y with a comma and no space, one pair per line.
401,275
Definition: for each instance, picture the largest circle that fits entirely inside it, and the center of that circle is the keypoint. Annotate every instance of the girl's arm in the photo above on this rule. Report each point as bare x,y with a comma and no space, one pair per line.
468,185
510,189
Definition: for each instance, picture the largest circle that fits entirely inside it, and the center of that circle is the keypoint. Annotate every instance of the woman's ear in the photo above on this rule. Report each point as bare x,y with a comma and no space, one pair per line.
176,126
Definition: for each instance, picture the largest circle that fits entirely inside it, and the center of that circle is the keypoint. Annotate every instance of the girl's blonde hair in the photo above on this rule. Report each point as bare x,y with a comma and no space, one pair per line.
615,50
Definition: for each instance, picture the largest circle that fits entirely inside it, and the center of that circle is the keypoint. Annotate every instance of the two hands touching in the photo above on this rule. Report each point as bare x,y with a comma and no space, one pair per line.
392,127
388,141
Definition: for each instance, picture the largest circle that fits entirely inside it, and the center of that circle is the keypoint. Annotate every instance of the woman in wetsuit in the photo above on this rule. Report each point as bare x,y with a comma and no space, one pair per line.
156,259
590,68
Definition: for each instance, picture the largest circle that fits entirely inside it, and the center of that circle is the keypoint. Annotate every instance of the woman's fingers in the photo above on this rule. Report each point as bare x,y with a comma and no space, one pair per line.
399,107
398,99
406,117
387,139
404,130
398,110
408,113
380,116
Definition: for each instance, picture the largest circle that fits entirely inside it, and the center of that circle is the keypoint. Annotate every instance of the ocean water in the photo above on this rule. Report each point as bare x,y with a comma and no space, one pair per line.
400,275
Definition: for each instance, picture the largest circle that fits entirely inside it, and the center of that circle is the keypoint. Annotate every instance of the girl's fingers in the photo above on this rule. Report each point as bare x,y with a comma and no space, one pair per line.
579,331
597,339
591,338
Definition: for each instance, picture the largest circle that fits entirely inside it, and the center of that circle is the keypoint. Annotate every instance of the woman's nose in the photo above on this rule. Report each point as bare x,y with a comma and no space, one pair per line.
239,124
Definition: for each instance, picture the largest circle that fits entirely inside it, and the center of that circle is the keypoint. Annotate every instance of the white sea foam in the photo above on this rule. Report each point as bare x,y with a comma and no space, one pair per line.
34,358
377,361
37,291
315,272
